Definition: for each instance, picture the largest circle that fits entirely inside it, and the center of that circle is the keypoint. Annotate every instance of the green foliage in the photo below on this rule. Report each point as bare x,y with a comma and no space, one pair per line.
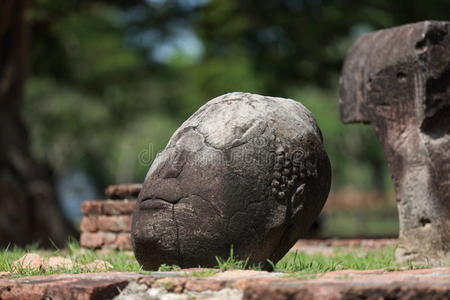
304,41
379,222
97,97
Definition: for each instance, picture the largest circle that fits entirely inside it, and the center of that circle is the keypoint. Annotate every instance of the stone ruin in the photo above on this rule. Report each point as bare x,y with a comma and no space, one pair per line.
106,224
398,80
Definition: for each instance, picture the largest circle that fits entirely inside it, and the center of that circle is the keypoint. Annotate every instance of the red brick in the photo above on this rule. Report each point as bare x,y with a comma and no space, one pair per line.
88,224
115,207
105,285
91,240
123,241
114,223
123,191
173,285
91,207
203,284
108,238
108,248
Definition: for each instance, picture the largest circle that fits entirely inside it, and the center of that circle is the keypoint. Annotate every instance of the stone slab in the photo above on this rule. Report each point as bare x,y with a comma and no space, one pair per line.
66,286
347,284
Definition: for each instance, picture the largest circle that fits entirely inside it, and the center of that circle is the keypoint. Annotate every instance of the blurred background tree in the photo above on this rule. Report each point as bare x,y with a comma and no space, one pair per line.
109,81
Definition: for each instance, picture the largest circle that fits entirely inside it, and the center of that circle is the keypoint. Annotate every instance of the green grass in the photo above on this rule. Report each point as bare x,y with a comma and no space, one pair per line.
356,259
121,261
296,264
204,273
167,268
232,262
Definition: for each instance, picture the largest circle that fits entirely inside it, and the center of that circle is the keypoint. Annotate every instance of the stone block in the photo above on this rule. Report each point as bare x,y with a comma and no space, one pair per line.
114,207
91,240
88,224
114,223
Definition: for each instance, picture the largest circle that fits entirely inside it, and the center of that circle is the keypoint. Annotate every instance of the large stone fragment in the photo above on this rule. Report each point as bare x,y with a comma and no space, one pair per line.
245,171
399,81
344,284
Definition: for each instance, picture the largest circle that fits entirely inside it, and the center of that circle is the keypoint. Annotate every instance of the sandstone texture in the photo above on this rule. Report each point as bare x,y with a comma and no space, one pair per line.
232,284
29,261
245,171
399,81
34,261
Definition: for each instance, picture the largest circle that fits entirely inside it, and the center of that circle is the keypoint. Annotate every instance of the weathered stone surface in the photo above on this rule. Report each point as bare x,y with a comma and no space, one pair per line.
345,290
241,274
351,284
57,263
399,81
347,284
244,171
28,261
136,291
97,266
201,285
123,191
66,286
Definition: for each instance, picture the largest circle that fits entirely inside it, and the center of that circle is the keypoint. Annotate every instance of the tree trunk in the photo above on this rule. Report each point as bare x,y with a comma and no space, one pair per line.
29,208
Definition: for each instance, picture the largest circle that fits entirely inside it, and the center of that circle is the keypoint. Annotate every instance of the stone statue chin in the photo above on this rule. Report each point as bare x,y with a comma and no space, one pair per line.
245,171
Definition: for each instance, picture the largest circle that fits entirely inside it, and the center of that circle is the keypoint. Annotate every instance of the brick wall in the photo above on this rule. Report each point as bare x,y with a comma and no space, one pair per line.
106,224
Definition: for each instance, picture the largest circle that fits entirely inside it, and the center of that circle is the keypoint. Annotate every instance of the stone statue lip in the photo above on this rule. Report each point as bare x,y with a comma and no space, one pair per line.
154,203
